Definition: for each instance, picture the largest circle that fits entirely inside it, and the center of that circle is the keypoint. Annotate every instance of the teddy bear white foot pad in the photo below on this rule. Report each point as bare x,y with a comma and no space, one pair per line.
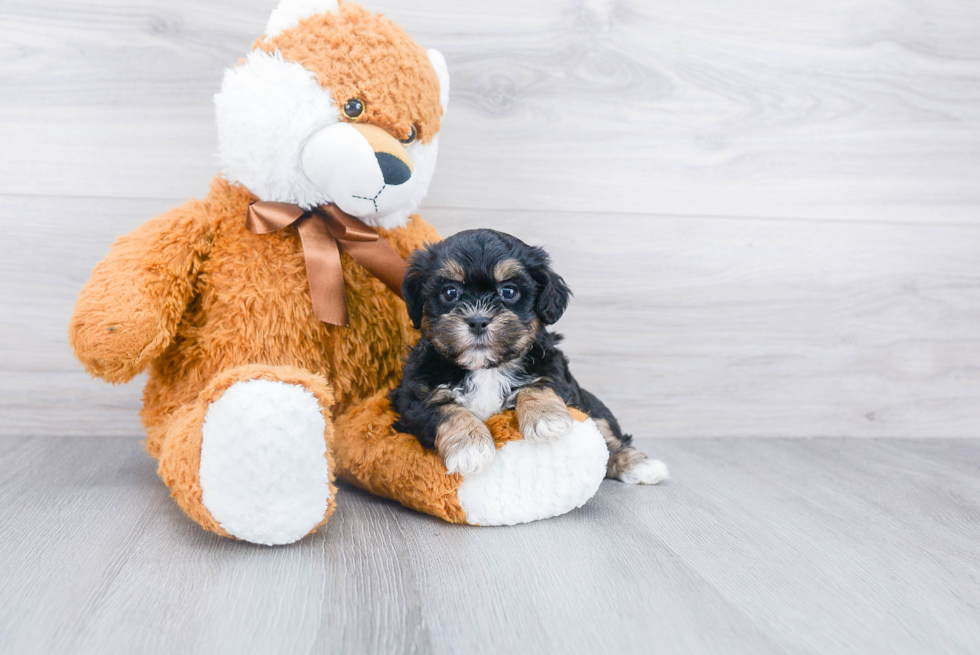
532,480
264,471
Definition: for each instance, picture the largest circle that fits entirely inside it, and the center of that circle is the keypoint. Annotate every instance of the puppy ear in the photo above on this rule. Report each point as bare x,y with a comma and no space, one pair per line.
414,283
553,293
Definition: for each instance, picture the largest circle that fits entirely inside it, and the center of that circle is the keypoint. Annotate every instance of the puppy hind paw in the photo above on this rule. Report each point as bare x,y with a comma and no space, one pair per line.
644,471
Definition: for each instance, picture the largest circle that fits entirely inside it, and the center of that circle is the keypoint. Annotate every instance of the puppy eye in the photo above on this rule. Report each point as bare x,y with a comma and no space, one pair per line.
509,292
449,294
411,137
354,108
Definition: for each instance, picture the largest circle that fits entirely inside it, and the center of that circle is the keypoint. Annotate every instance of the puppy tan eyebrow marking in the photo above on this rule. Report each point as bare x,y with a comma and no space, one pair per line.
507,269
452,270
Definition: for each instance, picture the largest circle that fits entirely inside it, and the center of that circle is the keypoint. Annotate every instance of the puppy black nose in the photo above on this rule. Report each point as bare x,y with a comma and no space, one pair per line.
478,324
393,169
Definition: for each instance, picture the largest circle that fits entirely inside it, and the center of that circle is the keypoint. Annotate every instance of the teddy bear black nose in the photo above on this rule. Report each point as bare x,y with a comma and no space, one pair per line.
393,169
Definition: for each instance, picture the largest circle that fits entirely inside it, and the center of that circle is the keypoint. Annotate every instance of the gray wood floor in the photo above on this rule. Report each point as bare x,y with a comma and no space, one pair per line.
755,546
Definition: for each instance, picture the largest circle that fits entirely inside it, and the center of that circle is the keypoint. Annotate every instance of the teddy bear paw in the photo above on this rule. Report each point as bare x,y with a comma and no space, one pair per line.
264,472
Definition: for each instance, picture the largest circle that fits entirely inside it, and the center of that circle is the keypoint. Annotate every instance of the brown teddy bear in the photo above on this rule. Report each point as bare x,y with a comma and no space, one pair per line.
267,313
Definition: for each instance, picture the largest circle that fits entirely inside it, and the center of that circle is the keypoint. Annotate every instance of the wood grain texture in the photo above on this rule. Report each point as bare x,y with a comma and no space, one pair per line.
685,326
754,546
847,110
668,154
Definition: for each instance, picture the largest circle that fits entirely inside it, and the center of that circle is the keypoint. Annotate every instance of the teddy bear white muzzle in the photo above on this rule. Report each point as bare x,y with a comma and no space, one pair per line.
361,168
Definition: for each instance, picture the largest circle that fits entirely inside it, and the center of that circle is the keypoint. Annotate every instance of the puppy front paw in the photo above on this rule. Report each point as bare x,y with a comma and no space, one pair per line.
470,458
548,425
542,415
465,444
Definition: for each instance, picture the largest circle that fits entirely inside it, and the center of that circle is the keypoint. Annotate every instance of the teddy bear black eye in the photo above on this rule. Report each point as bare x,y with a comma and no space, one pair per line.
509,292
353,108
450,294
411,137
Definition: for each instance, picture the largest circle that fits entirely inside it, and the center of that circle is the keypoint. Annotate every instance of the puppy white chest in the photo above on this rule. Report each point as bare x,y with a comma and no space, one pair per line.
486,392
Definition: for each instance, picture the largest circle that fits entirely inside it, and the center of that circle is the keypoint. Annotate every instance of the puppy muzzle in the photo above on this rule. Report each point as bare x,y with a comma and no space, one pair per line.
363,169
477,337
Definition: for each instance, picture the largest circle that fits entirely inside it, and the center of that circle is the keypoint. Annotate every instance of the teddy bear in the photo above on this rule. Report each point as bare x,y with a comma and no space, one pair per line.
267,314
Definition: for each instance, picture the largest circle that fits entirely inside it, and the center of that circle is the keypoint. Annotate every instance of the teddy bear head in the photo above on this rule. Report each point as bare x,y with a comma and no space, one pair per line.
334,104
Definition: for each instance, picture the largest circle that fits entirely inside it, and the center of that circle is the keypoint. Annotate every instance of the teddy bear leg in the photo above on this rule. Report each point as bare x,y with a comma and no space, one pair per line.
252,457
528,480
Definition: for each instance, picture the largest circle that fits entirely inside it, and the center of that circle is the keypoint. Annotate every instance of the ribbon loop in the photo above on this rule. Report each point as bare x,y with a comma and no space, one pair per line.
323,232
269,217
344,226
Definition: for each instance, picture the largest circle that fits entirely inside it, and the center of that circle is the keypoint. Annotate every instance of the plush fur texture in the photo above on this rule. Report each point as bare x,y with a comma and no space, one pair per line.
209,309
252,305
290,12
205,304
356,53
523,484
375,457
277,112
264,473
442,72
266,110
533,480
180,447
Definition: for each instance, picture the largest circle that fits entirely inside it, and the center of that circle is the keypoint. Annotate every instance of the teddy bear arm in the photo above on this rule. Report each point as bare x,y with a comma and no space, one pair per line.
128,312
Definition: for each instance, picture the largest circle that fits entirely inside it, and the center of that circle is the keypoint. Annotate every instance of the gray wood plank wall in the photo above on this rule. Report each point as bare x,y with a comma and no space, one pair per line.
769,209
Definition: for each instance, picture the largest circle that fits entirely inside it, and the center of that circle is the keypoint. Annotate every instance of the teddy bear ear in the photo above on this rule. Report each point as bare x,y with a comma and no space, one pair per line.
442,70
290,12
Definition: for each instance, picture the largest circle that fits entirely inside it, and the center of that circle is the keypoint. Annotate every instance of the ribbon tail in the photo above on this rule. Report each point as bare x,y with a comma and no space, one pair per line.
324,271
381,260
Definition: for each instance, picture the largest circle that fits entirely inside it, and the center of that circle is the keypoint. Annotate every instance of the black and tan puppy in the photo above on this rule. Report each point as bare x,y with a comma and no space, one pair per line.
482,300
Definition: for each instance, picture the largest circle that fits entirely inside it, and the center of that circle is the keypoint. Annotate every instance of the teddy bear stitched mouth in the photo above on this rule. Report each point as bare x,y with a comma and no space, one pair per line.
373,200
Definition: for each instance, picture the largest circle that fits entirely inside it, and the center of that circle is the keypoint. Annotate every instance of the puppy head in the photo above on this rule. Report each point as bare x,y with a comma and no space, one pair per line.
481,296
334,104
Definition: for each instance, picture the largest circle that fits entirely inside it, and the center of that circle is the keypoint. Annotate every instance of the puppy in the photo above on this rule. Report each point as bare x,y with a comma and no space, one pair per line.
482,300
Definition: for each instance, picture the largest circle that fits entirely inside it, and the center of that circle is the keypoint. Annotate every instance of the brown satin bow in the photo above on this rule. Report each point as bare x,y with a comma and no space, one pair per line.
323,231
